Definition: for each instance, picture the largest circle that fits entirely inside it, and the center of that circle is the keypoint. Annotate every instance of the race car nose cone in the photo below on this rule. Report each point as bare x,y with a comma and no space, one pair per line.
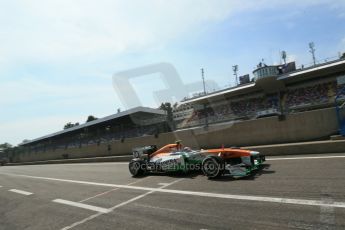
254,153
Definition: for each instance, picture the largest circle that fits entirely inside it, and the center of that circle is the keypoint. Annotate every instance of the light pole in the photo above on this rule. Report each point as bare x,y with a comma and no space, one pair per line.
203,82
235,69
284,56
203,79
312,51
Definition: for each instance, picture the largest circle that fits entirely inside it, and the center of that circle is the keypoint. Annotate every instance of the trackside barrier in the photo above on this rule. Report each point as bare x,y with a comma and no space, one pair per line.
125,158
315,147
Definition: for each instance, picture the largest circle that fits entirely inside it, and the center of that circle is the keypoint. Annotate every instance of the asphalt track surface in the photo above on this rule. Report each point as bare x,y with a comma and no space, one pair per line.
289,192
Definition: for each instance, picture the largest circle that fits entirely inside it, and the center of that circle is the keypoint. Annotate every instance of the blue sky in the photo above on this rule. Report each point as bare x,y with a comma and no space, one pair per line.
57,58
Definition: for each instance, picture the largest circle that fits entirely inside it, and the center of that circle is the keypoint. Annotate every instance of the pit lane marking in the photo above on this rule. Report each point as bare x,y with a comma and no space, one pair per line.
21,192
173,210
162,184
200,194
115,207
303,158
80,205
95,163
98,195
111,190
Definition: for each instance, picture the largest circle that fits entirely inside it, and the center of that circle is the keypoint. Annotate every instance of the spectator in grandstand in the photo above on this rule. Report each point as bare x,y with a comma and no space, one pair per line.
316,94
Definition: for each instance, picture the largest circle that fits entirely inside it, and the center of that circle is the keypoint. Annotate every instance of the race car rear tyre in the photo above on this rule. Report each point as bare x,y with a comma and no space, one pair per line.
213,167
137,167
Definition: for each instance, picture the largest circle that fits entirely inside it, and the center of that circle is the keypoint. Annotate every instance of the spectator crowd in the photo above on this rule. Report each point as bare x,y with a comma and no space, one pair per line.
249,107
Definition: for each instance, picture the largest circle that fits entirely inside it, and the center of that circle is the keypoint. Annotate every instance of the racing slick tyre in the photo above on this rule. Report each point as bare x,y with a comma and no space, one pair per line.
213,167
137,167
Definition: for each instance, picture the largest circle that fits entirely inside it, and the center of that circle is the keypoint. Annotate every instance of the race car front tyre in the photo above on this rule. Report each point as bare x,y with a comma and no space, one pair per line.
137,167
213,167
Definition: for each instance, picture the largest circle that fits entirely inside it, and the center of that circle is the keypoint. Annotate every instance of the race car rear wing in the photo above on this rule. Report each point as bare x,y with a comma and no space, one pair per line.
140,152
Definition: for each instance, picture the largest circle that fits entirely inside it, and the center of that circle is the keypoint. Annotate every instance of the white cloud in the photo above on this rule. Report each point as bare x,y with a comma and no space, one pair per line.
64,29
42,99
16,131
28,90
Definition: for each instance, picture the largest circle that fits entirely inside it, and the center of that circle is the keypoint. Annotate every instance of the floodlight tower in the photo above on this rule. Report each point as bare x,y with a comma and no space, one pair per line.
284,56
312,51
204,104
235,69
203,79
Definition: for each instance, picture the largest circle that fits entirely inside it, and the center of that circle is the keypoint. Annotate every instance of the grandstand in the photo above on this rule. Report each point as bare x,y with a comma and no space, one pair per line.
136,122
274,90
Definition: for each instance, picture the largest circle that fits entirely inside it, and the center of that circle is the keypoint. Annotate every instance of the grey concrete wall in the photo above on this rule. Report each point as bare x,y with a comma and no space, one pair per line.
296,127
314,147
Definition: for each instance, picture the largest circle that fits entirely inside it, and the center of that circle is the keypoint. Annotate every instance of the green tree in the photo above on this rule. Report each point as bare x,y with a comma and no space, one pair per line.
5,146
91,118
169,110
70,125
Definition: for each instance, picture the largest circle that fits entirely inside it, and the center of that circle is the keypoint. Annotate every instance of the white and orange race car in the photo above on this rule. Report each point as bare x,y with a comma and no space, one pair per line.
213,162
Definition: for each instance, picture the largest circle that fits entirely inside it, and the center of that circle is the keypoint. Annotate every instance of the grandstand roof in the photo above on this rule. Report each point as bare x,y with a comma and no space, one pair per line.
317,70
326,68
221,92
100,120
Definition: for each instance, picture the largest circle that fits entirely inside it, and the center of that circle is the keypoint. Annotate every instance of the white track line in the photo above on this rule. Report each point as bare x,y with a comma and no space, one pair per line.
72,164
115,207
109,191
95,163
80,205
162,184
200,194
161,209
98,195
21,192
303,158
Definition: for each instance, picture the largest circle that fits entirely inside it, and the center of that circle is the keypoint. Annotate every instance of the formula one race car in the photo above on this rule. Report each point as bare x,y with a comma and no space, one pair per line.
213,162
